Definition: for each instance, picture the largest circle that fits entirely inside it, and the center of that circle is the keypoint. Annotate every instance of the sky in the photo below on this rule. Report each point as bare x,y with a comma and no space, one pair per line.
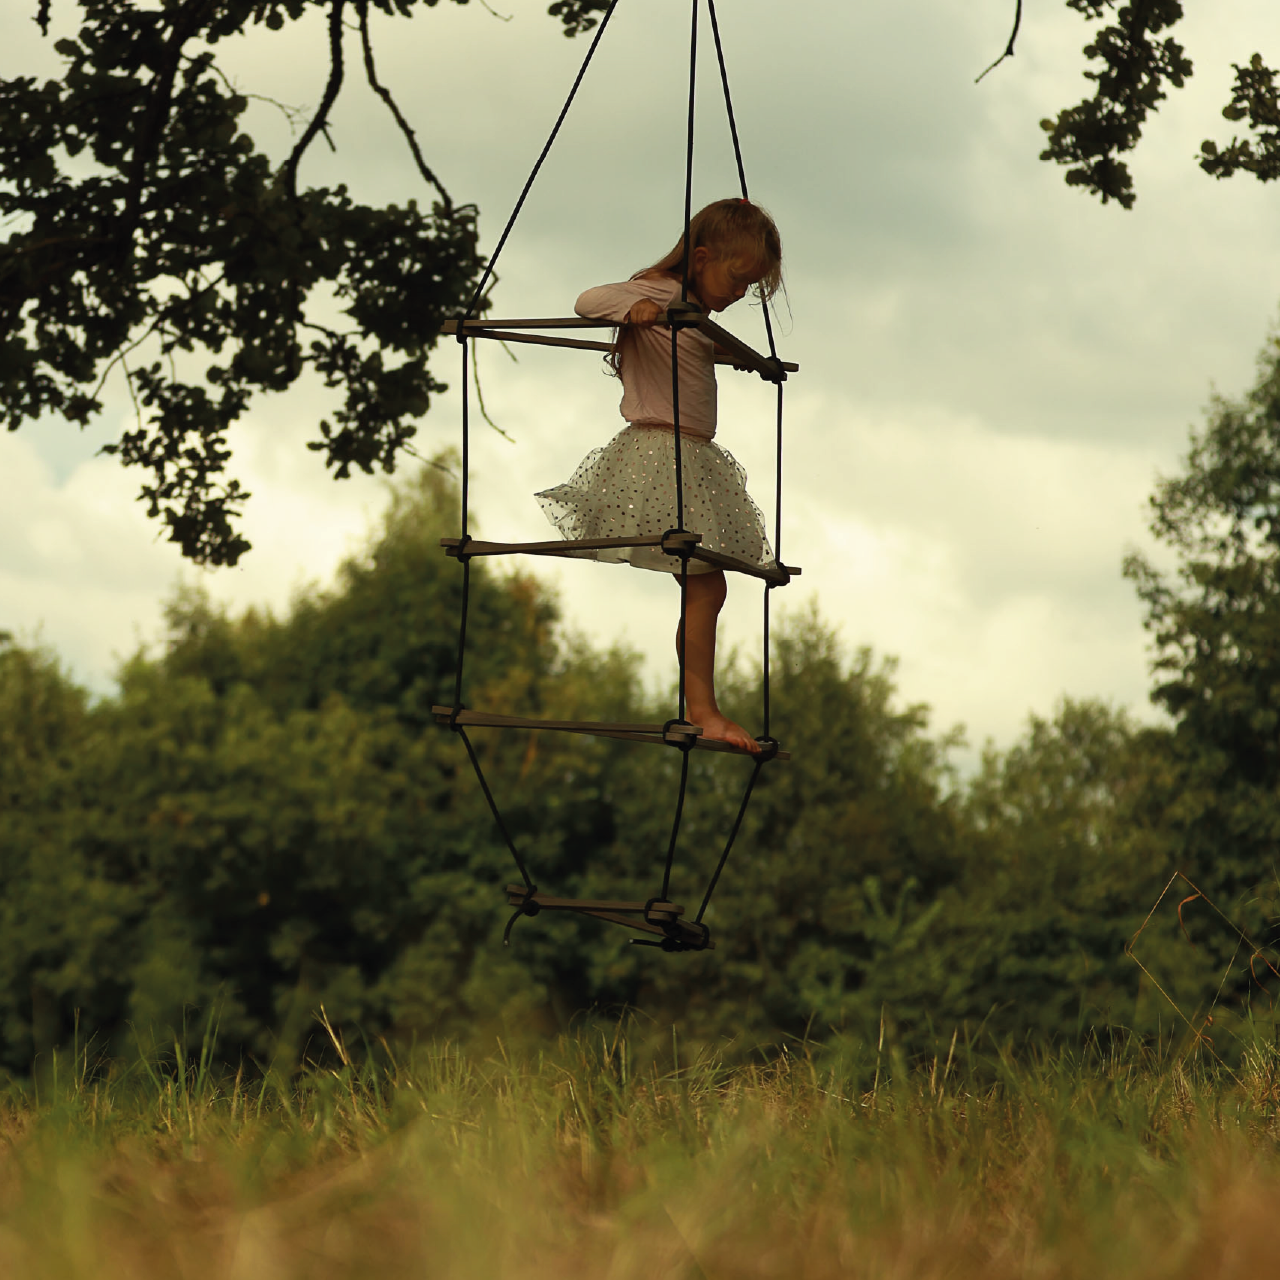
995,368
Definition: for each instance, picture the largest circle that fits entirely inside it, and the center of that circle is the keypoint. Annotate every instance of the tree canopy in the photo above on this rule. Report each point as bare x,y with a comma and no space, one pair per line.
143,218
1215,622
265,820
1134,61
147,230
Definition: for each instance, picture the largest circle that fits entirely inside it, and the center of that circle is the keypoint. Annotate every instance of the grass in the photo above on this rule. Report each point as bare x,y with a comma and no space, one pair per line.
591,1158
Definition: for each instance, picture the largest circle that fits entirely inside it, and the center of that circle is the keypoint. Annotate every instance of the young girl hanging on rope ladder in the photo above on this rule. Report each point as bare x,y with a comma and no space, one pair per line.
628,488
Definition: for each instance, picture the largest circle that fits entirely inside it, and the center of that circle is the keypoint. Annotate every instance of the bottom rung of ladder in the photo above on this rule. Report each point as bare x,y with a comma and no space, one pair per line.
648,917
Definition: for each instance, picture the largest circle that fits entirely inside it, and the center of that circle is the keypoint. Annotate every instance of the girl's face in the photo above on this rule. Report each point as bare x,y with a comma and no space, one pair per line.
720,281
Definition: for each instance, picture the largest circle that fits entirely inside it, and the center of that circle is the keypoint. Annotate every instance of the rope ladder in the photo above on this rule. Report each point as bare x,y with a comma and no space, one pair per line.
663,921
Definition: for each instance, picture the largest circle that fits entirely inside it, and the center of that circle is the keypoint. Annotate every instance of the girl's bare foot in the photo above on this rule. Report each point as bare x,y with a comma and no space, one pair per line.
719,728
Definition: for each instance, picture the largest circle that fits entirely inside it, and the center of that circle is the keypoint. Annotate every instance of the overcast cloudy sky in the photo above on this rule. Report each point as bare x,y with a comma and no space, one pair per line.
994,367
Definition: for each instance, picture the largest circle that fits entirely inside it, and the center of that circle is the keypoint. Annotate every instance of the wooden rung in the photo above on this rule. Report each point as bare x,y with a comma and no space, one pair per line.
692,934
627,921
778,574
740,353
517,893
488,720
587,344
544,340
735,351
564,547
551,322
596,729
645,927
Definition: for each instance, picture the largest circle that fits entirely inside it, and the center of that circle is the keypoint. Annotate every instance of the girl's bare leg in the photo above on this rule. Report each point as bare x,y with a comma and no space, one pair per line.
707,592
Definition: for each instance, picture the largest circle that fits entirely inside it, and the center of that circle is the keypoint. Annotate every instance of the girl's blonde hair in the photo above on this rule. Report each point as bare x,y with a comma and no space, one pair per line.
734,229
737,230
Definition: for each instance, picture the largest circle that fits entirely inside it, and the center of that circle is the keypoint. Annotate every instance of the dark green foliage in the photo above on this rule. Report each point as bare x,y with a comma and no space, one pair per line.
577,15
1216,629
266,820
1130,84
1065,862
140,214
842,851
1253,98
1134,67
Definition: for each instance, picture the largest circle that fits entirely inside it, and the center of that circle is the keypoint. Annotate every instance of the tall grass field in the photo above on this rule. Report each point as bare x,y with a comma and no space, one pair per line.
605,1155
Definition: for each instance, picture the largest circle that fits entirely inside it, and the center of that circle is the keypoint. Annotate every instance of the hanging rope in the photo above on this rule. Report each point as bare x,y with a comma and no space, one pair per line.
761,760
773,352
528,186
683,633
527,907
737,152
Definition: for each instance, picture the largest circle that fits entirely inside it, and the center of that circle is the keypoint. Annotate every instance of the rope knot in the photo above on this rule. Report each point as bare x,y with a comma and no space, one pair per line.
527,907
675,542
678,938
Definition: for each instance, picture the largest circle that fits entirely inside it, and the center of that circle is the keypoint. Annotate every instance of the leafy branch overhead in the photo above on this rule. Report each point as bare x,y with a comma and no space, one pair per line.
145,219
1135,61
1254,99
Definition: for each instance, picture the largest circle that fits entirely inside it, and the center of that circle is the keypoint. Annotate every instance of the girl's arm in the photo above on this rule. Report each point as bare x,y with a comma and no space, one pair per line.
633,302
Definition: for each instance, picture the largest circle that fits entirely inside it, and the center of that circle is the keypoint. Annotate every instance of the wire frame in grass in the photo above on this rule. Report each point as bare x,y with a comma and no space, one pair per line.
1185,935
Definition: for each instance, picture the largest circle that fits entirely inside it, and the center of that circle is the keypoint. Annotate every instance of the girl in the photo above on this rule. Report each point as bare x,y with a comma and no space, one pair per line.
627,488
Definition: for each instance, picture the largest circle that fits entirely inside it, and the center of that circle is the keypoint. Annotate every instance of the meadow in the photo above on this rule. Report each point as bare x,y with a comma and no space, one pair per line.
601,1154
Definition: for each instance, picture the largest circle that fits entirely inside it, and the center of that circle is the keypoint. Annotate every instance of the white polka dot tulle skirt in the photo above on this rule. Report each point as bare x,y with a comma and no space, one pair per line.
628,489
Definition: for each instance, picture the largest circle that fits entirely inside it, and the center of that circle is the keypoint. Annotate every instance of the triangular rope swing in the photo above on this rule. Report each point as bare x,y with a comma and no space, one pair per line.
658,915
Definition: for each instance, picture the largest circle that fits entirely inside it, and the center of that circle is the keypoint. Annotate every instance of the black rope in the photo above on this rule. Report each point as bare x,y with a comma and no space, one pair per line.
466,432
528,186
724,80
777,555
688,163
466,536
462,632
737,150
462,643
761,759
675,426
493,808
684,631
527,907
777,480
684,548
764,663
675,415
675,826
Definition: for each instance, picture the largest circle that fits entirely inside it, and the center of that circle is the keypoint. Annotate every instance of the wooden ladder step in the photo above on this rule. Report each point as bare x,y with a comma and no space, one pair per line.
516,894
567,546
778,574
623,913
677,735
733,350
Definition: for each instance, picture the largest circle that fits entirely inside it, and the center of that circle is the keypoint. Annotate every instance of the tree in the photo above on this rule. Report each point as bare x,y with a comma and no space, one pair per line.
1134,61
1215,625
265,820
1067,854
144,218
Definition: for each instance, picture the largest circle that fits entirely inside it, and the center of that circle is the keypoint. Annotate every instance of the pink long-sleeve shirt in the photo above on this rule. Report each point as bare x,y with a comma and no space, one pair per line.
646,359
